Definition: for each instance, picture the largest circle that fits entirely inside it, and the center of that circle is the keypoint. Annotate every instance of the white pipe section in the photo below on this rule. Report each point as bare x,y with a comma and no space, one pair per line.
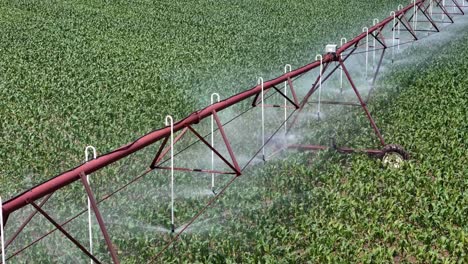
431,6
3,232
90,221
415,15
212,142
342,42
365,29
376,21
260,82
400,7
170,121
393,34
287,68
443,14
319,57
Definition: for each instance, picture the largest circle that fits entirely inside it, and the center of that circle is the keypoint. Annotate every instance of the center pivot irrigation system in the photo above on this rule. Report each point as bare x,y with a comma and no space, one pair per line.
415,21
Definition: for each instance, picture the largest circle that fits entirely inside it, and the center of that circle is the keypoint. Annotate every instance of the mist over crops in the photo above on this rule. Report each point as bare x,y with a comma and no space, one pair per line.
103,73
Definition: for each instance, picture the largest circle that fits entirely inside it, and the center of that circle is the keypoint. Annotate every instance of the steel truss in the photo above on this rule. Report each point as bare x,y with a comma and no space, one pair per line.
329,64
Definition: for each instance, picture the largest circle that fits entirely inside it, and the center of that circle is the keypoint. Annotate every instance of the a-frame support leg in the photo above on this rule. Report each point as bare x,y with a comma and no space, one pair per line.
363,104
59,227
26,222
99,219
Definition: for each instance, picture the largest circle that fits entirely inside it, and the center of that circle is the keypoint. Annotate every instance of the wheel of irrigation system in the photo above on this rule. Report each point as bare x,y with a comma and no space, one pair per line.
393,156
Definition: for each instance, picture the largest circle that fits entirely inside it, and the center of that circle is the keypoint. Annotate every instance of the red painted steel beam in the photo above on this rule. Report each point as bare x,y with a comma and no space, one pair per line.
102,161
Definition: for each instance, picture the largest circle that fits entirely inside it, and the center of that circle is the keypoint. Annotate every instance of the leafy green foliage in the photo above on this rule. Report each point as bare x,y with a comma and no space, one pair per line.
333,208
74,73
80,72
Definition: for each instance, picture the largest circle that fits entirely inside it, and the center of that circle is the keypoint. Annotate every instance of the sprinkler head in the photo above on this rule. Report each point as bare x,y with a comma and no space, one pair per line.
213,191
172,228
318,116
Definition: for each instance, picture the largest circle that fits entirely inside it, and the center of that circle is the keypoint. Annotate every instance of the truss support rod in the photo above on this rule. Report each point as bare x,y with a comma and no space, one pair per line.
158,156
424,12
196,170
161,155
72,175
286,99
429,18
363,104
28,219
442,7
293,92
378,69
226,142
213,149
457,5
99,218
408,27
375,77
314,87
59,227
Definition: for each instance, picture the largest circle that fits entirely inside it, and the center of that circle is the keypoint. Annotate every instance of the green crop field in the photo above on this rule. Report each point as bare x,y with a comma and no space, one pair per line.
102,73
74,73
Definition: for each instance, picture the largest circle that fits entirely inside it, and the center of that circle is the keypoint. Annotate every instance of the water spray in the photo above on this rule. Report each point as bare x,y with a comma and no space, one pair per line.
45,189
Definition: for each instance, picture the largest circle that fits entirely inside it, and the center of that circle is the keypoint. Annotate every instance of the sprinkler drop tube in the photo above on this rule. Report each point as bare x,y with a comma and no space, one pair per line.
287,68
212,143
260,82
170,122
319,57
63,179
366,30
90,222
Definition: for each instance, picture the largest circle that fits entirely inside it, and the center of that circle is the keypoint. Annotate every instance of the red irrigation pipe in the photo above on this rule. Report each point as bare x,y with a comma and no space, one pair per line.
73,175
